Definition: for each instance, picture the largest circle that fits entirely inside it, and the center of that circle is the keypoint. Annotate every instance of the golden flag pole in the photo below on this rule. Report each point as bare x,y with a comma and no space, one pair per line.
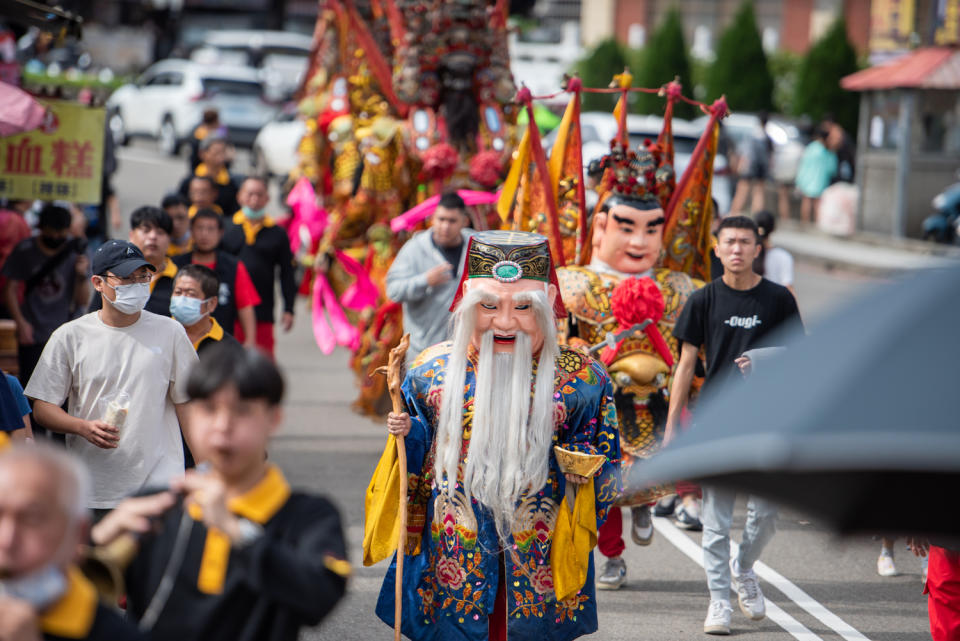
394,372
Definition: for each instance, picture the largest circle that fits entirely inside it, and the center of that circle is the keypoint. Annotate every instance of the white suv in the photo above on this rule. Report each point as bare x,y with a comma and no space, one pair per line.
168,100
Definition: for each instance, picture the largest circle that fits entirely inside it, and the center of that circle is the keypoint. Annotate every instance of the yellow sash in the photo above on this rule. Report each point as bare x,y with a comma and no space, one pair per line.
574,537
381,527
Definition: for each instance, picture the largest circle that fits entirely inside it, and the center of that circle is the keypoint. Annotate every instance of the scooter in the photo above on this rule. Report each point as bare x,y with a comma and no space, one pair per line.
941,226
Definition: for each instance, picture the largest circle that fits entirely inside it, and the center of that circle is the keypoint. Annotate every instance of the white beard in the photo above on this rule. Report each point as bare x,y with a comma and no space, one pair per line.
509,450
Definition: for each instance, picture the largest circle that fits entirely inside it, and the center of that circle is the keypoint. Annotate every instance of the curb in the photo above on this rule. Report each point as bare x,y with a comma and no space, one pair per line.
864,253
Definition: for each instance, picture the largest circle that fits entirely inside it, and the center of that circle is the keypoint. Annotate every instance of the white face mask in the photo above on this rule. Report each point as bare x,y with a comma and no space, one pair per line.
130,298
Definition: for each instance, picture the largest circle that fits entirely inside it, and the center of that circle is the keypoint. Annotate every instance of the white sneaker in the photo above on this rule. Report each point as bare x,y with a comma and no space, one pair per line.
613,574
748,590
885,566
718,618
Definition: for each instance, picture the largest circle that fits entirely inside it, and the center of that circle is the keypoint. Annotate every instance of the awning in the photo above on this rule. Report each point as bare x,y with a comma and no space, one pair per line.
924,68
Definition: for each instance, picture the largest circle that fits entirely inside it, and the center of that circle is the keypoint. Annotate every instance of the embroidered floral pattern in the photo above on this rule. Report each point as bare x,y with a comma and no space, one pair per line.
450,574
456,582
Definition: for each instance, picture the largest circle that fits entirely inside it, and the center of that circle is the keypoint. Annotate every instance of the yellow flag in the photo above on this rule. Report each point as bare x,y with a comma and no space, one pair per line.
687,240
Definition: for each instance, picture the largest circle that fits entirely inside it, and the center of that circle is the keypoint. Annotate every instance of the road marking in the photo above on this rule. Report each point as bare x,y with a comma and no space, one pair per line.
808,603
774,612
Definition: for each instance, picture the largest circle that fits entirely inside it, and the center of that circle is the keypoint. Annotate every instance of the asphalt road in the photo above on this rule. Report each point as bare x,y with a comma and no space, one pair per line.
827,588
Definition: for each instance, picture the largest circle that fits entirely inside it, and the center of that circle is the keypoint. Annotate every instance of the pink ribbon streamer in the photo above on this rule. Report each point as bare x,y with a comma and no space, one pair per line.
409,219
362,293
338,331
302,200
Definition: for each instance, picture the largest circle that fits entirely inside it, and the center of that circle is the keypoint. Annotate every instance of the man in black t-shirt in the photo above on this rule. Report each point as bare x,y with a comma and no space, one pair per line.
737,312
47,282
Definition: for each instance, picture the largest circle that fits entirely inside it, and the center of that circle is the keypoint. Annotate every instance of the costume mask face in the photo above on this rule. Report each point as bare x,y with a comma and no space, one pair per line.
505,315
629,240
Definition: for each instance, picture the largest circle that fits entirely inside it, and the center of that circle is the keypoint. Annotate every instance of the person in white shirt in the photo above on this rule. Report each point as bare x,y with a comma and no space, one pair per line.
774,263
119,349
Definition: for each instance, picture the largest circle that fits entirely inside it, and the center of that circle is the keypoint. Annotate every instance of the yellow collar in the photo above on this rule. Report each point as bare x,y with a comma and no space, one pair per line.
259,504
169,271
251,229
222,177
192,211
72,616
215,333
175,249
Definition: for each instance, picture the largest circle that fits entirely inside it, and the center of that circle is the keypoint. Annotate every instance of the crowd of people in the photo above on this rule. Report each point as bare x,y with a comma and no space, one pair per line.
147,392
828,157
110,405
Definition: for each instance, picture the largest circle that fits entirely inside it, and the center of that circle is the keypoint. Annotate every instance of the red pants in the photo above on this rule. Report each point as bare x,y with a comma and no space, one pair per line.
943,590
497,625
264,338
610,535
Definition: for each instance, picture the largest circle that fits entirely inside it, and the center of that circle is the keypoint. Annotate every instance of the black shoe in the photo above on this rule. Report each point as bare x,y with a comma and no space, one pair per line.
665,506
686,519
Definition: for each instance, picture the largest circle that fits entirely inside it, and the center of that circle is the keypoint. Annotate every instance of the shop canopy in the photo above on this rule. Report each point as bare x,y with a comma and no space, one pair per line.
923,68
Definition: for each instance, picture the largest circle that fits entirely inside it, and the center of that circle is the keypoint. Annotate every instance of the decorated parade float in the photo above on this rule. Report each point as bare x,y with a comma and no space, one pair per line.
406,99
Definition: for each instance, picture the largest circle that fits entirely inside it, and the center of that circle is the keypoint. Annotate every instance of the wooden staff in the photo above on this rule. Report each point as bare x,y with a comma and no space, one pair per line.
394,372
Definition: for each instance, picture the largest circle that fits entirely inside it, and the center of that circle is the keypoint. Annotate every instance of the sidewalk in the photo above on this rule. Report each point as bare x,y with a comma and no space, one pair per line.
871,254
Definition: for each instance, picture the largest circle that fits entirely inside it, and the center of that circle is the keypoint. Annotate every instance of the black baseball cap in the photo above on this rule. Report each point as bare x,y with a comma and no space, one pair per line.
120,257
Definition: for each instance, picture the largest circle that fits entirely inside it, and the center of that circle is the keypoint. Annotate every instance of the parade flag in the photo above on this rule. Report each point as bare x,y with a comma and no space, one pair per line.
62,160
511,186
672,91
622,81
566,166
687,237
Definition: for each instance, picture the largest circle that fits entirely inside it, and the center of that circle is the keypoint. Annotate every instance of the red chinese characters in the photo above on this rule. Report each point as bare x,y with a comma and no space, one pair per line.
72,159
24,157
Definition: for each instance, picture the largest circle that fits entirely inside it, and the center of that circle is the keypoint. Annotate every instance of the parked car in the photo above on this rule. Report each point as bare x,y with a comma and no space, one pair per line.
275,148
281,56
598,128
168,100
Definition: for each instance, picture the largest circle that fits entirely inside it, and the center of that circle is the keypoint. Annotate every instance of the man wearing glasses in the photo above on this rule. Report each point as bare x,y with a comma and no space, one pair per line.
121,357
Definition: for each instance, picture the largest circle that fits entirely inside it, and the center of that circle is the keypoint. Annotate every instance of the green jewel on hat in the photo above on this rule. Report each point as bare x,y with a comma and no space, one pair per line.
508,256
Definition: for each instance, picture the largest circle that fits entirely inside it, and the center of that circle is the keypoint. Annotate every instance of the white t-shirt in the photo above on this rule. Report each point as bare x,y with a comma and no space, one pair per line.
778,266
150,361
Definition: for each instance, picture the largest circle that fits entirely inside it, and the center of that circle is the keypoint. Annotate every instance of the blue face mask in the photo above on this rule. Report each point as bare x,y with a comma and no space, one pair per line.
187,310
253,214
41,588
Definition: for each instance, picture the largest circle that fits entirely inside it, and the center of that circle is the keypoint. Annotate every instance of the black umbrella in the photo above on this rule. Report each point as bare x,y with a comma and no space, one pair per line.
857,424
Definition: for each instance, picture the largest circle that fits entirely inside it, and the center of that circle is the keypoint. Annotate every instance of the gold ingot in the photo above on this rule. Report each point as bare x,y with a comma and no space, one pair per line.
642,368
578,463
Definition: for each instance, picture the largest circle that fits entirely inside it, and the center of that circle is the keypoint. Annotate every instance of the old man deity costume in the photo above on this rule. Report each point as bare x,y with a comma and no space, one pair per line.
513,453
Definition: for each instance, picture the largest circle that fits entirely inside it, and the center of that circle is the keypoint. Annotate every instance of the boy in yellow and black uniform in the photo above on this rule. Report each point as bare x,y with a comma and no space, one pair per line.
250,558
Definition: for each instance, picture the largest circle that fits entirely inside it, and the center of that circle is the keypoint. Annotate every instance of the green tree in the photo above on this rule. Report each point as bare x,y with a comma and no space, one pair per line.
740,71
663,59
784,66
818,90
597,70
